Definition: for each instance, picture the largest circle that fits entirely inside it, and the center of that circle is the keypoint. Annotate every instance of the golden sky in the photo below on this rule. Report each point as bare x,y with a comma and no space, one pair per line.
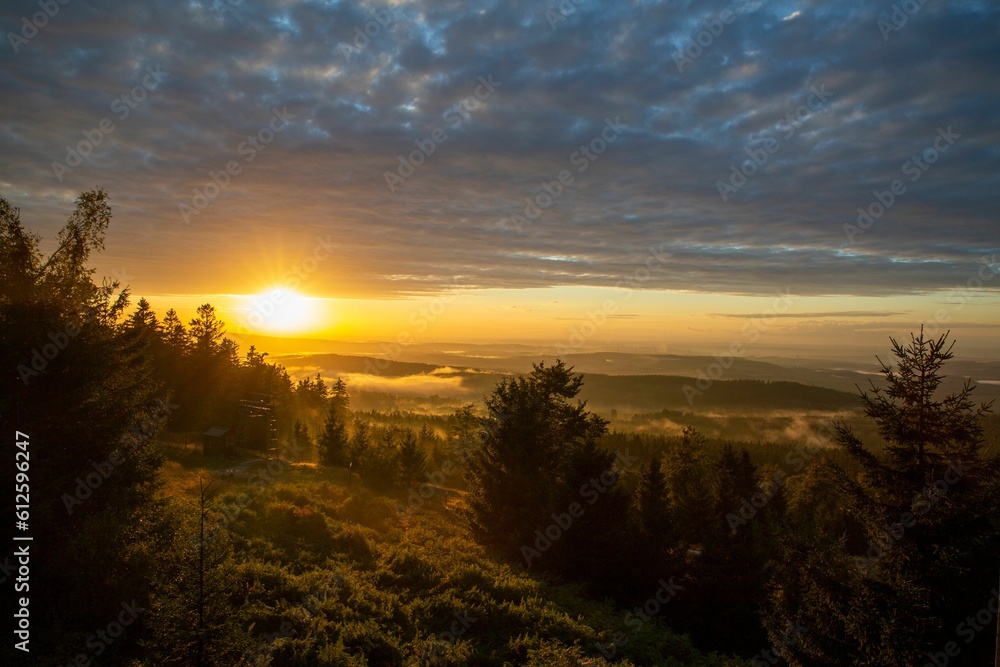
525,170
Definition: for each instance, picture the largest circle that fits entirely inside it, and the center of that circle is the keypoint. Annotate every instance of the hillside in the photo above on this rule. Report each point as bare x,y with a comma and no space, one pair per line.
643,391
339,575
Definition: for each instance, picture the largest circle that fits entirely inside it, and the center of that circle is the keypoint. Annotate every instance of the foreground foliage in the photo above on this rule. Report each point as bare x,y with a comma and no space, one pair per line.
330,575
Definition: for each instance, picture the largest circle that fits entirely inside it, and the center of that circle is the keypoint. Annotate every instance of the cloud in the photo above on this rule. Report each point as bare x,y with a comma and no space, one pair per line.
359,105
829,313
410,385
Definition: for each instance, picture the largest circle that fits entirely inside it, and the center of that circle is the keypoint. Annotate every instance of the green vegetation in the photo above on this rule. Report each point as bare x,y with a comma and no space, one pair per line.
327,574
525,533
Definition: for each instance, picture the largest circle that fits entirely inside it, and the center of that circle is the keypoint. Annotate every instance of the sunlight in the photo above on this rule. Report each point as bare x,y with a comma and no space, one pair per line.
285,311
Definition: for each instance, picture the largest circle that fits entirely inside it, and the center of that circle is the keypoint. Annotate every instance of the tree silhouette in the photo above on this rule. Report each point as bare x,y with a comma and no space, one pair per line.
654,532
333,442
689,480
174,334
302,441
412,460
194,623
519,474
931,510
144,318
81,386
207,331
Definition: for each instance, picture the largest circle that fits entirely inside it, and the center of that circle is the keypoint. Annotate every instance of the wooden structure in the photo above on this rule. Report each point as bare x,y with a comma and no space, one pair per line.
255,428
216,442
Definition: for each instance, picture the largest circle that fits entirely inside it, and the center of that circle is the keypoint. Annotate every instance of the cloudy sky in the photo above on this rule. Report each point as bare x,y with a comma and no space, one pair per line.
406,158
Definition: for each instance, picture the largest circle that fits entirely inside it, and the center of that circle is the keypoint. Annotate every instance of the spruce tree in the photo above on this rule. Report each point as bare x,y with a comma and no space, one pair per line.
930,506
89,408
412,460
520,472
174,334
194,622
333,443
302,441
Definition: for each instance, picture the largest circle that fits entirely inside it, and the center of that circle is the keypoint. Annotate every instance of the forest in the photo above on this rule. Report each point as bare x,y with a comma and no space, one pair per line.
521,529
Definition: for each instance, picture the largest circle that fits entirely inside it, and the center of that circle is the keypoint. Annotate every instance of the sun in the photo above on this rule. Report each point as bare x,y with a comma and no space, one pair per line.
283,311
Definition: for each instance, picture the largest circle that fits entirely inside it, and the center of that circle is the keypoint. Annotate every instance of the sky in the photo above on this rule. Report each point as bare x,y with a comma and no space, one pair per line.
577,173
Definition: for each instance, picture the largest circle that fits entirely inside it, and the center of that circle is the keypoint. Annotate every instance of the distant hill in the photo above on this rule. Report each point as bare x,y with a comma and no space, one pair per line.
654,392
604,391
339,364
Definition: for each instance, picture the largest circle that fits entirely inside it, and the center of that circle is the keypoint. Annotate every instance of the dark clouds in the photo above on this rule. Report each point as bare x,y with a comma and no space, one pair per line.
357,109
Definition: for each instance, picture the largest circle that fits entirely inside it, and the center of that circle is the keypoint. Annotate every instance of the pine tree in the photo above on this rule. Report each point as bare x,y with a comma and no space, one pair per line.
304,387
302,442
174,334
652,511
412,460
144,318
333,443
931,510
207,331
690,485
91,406
464,432
229,352
590,549
428,440
517,475
194,622
338,394
728,579
323,392
360,444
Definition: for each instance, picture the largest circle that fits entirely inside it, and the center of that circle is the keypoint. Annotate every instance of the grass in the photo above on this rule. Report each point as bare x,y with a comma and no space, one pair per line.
331,574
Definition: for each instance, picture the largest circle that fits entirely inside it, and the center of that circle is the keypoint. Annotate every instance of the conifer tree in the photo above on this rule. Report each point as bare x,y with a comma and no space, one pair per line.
207,331
652,512
519,473
333,442
302,441
88,403
412,460
689,479
930,506
174,334
194,621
